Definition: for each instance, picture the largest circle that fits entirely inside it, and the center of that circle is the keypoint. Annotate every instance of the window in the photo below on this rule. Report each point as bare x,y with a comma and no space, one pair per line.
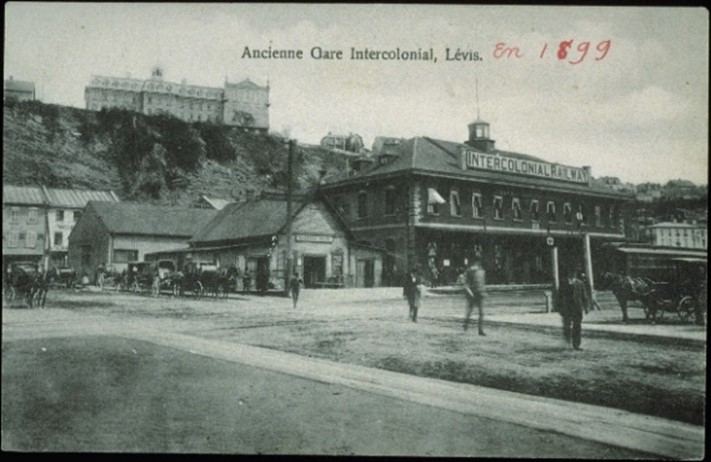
31,240
498,208
15,215
598,216
516,208
32,216
581,217
611,216
455,206
40,238
550,211
125,256
477,210
535,212
433,201
12,238
390,200
567,213
58,238
362,204
60,215
77,215
22,236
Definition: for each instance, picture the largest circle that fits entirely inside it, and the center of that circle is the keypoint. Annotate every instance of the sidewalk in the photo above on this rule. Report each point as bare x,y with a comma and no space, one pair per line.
608,322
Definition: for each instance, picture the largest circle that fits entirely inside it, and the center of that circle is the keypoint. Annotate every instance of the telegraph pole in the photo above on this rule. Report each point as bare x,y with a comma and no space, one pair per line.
289,256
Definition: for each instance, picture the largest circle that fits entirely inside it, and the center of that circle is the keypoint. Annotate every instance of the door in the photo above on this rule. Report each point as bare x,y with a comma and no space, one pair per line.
365,273
314,271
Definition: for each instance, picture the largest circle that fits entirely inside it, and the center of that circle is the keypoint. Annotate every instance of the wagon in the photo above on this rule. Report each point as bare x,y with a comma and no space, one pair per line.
140,276
683,293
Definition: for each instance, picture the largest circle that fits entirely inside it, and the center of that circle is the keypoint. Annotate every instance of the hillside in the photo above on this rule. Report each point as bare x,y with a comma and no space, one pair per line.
157,159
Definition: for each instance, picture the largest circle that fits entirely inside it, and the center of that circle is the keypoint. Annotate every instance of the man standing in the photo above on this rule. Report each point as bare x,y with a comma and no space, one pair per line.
572,302
475,289
412,292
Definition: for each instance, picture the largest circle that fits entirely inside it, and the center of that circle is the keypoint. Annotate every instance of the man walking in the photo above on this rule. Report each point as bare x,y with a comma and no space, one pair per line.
572,302
295,287
475,289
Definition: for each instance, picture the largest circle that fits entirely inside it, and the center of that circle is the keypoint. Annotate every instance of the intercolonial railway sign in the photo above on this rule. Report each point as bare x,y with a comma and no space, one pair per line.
503,163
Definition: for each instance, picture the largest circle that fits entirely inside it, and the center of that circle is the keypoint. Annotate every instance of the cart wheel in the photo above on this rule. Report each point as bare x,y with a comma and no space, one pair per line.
649,308
686,308
9,294
197,290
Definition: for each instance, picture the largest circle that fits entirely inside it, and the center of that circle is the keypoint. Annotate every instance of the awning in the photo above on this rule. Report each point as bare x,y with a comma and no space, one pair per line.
433,197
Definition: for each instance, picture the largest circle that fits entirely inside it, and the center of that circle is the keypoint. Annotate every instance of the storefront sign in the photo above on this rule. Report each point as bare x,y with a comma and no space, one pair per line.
314,238
502,163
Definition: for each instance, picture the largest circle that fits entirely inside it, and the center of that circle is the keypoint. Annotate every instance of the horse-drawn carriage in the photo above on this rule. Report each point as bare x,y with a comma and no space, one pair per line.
26,281
153,276
682,290
63,277
683,293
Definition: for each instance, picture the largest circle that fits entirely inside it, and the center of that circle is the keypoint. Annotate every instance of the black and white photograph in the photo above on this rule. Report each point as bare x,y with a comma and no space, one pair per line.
400,230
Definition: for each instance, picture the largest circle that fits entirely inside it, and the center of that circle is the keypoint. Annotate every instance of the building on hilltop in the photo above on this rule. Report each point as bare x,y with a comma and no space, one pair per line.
37,222
244,104
350,143
681,189
19,90
436,204
685,235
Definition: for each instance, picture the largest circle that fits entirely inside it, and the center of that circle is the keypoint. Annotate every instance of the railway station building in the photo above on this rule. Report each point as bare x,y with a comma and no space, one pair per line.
435,204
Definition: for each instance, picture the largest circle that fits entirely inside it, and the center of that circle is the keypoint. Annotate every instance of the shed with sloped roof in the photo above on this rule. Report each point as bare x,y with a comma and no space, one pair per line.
115,233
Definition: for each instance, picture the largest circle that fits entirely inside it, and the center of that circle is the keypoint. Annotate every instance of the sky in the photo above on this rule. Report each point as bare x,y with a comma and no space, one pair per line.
629,99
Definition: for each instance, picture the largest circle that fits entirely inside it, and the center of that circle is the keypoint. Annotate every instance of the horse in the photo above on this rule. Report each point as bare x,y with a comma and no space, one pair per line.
40,287
626,289
21,284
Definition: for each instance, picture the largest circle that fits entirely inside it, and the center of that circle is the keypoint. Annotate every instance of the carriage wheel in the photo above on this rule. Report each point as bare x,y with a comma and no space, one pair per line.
9,294
198,289
686,308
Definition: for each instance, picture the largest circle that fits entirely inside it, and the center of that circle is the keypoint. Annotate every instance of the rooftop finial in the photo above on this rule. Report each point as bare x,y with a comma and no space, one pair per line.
477,99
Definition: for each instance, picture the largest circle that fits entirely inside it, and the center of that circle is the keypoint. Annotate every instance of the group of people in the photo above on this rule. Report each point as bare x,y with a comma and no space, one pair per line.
573,299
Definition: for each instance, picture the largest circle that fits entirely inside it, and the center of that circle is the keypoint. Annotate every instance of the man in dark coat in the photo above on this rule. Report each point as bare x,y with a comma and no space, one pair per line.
412,293
572,302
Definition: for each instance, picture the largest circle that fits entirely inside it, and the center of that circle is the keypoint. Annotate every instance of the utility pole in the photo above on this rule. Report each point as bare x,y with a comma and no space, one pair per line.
289,256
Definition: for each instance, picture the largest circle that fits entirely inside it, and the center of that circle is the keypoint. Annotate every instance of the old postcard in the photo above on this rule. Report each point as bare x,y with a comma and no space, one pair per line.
375,229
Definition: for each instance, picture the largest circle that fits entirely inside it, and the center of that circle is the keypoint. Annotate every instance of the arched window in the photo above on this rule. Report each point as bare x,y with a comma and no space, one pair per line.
455,205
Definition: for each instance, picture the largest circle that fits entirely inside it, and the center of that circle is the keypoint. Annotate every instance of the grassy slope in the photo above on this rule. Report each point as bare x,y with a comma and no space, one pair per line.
51,151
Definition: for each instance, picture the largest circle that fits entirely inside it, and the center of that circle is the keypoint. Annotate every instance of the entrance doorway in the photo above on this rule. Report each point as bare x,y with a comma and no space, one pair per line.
365,274
314,271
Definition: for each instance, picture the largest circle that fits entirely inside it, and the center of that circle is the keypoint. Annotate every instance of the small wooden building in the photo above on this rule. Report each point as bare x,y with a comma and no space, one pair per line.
252,236
115,233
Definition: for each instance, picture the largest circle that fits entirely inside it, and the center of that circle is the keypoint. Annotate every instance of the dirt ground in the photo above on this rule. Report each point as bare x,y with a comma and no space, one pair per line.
102,394
656,378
